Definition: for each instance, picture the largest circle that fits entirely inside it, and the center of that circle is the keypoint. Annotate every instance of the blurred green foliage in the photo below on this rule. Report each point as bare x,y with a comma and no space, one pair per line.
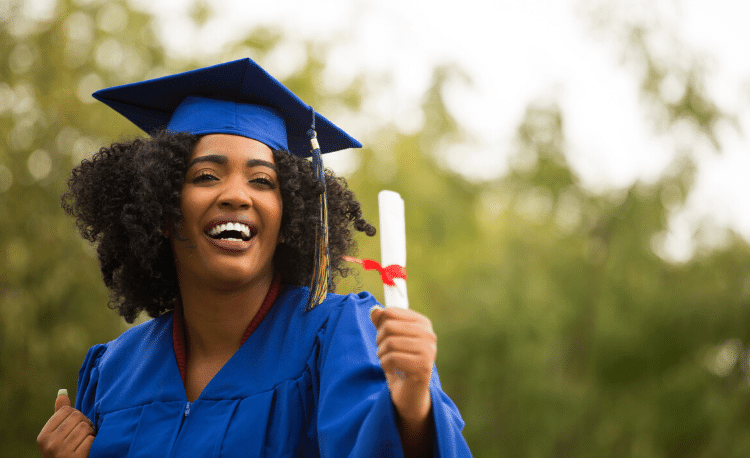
561,332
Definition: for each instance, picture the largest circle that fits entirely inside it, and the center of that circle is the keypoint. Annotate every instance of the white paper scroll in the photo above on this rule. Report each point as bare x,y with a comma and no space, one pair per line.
393,245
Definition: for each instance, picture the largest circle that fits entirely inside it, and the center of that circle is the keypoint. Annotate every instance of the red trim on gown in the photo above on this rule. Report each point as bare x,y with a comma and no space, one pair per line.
178,329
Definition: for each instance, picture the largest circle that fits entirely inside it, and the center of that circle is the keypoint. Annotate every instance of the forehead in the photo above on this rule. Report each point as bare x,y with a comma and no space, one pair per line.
232,146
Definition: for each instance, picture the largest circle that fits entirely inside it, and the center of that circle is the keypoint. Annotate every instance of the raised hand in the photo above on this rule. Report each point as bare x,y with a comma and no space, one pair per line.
67,434
407,347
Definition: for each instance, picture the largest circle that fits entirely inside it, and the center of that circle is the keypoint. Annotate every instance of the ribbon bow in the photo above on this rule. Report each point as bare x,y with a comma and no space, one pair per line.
387,273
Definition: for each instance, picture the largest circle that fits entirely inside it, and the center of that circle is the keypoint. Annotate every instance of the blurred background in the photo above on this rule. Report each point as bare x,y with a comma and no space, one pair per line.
574,175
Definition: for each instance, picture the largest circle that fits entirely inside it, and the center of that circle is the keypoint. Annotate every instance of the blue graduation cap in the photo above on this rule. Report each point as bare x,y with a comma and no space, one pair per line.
238,98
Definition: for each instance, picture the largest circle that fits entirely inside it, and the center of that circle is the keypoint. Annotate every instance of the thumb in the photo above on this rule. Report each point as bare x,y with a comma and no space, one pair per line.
375,312
62,399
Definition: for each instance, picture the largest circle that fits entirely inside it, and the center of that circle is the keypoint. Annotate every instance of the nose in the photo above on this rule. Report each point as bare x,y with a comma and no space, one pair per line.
235,194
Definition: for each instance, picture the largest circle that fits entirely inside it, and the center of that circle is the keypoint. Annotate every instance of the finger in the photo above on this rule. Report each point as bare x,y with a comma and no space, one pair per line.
55,421
405,314
404,329
77,435
85,446
375,313
61,413
76,416
382,316
72,421
54,431
411,345
62,399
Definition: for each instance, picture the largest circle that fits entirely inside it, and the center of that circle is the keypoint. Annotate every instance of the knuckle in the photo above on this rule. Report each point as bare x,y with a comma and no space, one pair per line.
384,349
45,447
382,315
386,328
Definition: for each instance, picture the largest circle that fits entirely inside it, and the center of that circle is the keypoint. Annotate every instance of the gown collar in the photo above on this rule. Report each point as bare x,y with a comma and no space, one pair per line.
178,327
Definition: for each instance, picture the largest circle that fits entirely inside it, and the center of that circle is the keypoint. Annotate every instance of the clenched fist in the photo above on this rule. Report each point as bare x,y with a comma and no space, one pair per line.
67,434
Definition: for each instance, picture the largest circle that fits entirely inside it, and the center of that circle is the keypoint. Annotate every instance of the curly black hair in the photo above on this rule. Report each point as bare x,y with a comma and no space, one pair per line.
123,197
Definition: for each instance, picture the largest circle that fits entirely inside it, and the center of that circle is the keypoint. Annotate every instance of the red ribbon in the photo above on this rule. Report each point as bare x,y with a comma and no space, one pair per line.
387,274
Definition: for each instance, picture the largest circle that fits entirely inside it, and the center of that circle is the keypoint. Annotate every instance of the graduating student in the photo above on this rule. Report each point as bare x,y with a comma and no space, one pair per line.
221,229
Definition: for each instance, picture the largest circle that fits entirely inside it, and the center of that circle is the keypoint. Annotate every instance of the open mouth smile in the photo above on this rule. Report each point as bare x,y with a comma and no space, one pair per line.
234,232
231,235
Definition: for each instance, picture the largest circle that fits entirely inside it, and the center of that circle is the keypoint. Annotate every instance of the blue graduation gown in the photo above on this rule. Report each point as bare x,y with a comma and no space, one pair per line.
303,384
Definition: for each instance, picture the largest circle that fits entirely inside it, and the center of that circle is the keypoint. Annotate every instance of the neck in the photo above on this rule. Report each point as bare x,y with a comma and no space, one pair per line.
216,320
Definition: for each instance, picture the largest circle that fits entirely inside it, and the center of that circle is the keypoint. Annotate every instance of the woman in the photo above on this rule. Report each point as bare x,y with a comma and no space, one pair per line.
216,226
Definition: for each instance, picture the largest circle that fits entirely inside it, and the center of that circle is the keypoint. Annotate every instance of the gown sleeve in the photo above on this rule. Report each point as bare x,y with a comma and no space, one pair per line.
356,416
88,379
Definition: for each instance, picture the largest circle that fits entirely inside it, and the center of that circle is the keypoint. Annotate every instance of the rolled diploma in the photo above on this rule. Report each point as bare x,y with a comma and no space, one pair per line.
393,245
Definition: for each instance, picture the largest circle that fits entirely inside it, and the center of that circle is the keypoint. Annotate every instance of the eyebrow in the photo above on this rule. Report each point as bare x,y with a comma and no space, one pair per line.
261,162
220,159
215,158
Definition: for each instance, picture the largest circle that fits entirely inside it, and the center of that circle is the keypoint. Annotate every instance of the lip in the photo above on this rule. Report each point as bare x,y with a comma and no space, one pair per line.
238,246
231,246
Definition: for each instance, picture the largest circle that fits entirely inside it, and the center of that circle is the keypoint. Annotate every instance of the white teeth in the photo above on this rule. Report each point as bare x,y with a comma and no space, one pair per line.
239,227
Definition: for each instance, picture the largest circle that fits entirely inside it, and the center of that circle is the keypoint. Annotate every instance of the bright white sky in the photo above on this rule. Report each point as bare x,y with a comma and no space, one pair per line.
516,52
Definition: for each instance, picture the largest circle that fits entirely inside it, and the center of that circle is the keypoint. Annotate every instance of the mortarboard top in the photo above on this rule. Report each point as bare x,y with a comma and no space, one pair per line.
226,98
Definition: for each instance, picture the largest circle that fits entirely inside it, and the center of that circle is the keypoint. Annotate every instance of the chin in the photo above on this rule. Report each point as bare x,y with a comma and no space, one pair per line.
234,277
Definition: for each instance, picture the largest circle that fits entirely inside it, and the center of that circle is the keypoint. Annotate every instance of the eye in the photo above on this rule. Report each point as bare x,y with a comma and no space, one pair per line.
204,176
264,181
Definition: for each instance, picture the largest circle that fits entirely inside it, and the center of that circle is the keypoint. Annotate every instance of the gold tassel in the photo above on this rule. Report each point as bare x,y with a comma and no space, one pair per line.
321,275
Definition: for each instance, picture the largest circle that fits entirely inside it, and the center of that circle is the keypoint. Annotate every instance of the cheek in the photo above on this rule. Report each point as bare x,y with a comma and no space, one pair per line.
279,211
274,207
188,226
273,212
191,203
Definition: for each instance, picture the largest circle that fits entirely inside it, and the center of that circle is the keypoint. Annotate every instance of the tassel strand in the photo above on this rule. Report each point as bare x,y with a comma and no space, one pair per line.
321,276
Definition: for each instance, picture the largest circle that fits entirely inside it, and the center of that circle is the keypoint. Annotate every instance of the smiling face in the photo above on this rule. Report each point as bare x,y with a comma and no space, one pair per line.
231,207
